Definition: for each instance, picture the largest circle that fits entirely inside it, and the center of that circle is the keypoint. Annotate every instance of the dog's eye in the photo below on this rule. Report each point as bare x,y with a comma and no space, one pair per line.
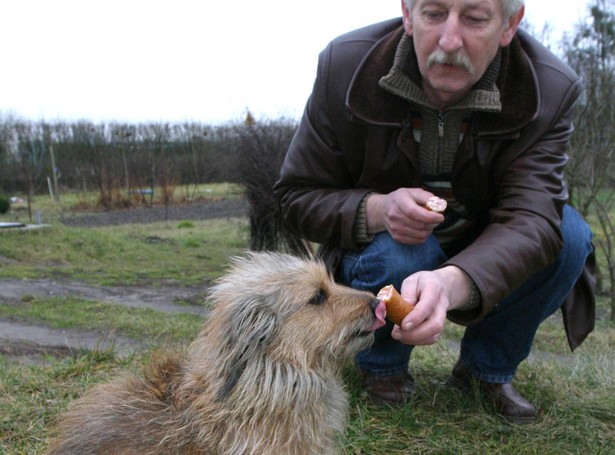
319,298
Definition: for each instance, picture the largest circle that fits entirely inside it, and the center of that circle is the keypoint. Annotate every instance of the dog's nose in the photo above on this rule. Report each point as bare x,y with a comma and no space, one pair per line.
374,303
379,311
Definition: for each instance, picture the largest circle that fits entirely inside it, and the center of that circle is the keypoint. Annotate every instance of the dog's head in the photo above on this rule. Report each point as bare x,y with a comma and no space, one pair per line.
289,310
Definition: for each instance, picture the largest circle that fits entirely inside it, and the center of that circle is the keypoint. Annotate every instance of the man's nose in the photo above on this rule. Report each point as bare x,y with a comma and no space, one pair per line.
450,38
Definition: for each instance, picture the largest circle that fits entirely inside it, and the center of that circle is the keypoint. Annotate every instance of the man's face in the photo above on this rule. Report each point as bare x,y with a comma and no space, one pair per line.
455,41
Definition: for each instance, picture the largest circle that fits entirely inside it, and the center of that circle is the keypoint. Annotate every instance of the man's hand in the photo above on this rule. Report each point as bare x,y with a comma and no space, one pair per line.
402,214
433,295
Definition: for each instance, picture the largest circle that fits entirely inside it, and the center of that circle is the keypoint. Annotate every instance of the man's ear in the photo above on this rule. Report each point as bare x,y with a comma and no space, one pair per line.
511,27
406,18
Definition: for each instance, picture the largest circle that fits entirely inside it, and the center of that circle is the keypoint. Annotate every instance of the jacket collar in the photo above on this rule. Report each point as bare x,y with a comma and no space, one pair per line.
367,101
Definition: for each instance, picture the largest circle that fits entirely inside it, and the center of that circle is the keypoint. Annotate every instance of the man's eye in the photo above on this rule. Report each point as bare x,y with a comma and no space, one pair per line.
434,14
475,20
319,298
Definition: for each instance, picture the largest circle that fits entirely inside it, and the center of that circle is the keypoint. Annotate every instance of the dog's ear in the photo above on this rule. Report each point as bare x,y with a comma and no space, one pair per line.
250,332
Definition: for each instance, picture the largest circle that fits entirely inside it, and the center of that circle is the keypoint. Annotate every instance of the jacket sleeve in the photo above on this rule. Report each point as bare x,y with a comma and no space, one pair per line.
316,189
523,233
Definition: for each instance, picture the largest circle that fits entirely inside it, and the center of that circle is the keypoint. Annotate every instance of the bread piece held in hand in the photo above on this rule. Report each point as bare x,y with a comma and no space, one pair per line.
397,306
436,204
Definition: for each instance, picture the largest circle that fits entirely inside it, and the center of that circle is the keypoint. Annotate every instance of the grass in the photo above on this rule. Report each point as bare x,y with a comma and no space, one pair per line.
33,394
155,253
577,411
574,391
184,252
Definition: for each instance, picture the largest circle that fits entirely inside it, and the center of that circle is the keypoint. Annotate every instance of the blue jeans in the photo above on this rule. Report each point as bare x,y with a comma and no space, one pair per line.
492,348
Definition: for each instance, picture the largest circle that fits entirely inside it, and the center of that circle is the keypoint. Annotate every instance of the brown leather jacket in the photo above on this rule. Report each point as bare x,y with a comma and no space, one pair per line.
354,138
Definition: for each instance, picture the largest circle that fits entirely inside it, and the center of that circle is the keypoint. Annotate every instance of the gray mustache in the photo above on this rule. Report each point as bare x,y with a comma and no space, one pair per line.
455,59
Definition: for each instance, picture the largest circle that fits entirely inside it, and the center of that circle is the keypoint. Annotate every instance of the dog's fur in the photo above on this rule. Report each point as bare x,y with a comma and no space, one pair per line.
263,377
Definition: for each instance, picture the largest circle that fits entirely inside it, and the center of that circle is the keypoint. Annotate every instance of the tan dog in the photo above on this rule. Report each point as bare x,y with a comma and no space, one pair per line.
263,377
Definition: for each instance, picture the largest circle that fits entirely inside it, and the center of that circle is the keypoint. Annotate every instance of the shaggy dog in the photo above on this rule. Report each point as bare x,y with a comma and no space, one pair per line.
263,377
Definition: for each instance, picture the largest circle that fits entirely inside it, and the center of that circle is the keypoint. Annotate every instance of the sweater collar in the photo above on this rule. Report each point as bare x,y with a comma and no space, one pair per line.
506,98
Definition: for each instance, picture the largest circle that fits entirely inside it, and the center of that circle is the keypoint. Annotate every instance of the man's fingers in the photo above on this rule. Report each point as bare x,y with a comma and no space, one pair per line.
425,323
425,334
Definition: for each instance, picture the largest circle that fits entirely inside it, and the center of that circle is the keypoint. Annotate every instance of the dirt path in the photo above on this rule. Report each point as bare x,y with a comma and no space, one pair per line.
23,339
164,298
17,338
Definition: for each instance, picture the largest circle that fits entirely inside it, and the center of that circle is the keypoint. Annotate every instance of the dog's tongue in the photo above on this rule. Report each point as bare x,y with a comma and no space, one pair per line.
380,312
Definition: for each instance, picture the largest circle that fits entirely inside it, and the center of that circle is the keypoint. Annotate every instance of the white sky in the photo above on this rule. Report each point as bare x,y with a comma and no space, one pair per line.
202,60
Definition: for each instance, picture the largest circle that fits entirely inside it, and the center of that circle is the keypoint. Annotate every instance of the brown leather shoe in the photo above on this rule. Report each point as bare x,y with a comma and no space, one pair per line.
508,403
394,390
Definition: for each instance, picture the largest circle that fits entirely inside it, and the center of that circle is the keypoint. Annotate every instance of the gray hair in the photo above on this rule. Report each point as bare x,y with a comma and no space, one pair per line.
510,7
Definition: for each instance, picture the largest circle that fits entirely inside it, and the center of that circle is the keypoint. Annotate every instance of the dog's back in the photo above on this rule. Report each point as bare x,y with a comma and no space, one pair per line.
109,418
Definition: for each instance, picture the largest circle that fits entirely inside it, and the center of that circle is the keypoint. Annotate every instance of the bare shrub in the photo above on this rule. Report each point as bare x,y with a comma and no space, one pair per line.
262,147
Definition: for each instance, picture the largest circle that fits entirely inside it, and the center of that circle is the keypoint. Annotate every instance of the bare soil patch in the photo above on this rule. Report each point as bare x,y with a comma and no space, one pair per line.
197,210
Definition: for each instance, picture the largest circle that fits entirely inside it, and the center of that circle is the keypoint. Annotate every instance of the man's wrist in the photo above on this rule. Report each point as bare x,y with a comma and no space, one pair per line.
373,216
360,232
462,292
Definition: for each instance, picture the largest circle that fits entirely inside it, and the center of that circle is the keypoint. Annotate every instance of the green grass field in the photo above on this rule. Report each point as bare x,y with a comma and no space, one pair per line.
573,390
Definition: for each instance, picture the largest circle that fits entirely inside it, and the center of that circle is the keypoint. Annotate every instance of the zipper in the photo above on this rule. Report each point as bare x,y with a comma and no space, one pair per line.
440,149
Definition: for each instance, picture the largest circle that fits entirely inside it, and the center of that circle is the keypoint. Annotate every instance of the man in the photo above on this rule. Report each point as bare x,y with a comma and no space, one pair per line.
452,101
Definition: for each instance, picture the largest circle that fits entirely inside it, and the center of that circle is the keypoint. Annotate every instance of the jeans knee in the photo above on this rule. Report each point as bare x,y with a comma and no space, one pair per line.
577,235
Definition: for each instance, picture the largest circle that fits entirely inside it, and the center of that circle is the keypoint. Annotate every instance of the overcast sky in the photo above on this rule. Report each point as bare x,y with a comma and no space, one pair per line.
199,60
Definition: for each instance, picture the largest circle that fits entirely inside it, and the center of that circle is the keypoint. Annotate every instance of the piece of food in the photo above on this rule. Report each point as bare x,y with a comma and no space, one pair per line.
436,204
397,306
